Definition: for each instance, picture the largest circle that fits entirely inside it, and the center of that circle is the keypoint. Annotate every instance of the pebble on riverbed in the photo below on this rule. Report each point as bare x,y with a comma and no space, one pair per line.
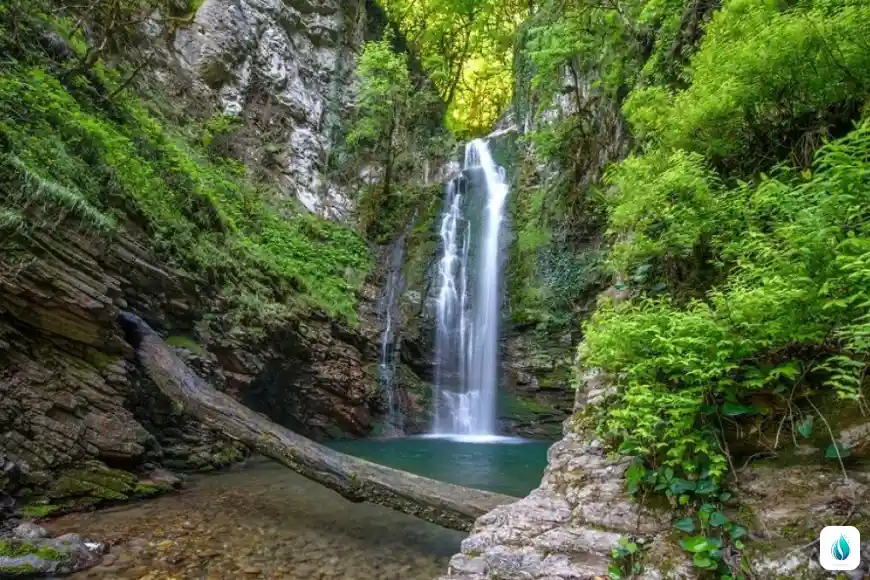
29,552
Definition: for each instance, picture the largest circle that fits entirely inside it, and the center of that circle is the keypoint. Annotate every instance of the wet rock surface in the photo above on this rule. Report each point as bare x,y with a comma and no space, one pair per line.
29,552
537,372
261,522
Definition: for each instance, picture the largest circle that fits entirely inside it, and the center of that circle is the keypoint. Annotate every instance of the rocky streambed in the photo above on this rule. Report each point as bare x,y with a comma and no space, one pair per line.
262,521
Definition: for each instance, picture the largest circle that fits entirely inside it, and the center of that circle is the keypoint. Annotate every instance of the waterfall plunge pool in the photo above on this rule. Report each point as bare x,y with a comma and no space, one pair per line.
507,465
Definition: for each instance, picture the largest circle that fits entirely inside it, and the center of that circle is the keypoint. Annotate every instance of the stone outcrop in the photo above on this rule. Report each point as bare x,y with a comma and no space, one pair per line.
568,526
285,68
77,415
64,378
537,379
314,377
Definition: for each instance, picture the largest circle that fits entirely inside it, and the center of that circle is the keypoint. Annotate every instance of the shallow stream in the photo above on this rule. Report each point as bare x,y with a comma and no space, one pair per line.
264,521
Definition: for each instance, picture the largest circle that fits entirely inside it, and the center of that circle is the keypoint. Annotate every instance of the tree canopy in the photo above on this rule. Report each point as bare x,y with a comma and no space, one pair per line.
466,47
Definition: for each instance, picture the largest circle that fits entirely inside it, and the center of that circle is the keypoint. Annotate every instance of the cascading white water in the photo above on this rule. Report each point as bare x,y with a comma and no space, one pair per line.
388,307
469,299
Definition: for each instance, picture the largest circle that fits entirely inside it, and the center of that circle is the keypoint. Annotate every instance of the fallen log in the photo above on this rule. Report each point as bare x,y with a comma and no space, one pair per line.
445,504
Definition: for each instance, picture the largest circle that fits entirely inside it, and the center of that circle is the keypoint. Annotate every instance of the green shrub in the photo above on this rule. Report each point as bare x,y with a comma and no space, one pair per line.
796,280
764,83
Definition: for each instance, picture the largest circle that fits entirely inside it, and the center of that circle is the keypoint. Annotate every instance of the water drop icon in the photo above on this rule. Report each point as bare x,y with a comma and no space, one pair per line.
840,550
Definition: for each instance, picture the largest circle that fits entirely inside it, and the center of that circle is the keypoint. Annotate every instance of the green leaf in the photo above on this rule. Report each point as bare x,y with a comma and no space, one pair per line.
628,447
686,525
702,561
682,485
724,496
706,487
738,532
835,449
788,370
805,427
718,519
633,476
736,409
695,544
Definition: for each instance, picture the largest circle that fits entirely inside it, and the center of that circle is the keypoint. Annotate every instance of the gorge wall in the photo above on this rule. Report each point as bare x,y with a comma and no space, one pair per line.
79,424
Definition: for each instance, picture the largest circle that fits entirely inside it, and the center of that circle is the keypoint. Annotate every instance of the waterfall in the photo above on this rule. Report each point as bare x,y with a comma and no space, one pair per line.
388,309
469,298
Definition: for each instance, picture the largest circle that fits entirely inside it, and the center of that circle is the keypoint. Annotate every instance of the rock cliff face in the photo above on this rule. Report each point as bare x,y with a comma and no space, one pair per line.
286,69
68,407
538,387
76,416
75,413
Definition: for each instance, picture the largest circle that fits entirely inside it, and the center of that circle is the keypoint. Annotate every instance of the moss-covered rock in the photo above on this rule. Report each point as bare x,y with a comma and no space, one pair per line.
186,343
94,480
93,484
230,453
21,558
17,547
528,417
37,509
145,489
539,396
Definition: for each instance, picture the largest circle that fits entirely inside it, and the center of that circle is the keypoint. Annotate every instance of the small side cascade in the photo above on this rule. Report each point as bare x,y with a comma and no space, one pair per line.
388,309
469,298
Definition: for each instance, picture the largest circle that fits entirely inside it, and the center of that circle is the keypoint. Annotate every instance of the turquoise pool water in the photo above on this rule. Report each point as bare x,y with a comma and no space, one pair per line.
505,465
